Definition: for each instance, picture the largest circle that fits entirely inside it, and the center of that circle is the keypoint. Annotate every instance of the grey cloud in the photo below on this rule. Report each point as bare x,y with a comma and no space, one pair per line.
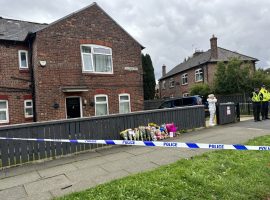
170,30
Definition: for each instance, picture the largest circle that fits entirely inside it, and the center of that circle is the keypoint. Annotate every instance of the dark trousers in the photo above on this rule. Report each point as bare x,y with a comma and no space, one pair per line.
264,110
256,110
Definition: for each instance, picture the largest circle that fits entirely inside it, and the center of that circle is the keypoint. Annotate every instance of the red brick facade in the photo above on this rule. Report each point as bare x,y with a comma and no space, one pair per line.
209,70
59,45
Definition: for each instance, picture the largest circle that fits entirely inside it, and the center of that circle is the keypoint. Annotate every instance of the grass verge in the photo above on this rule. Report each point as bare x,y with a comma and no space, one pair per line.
224,174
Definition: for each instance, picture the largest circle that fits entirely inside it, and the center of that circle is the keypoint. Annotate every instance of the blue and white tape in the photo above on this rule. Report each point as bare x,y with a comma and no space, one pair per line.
150,144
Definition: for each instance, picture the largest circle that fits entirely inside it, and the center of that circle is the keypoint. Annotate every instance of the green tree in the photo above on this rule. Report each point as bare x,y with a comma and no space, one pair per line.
149,81
233,77
201,89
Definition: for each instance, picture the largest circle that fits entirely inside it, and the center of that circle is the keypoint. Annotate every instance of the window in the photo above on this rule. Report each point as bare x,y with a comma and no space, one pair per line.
23,59
28,108
163,85
124,103
185,94
96,59
101,105
171,82
185,79
199,75
4,111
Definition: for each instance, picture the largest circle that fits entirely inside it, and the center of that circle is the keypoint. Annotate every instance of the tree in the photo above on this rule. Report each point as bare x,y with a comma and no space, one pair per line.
233,77
149,81
201,89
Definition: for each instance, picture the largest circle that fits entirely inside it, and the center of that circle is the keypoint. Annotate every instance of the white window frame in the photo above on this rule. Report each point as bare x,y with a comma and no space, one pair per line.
6,110
20,60
92,46
171,82
107,102
27,107
185,94
163,85
199,72
184,77
124,101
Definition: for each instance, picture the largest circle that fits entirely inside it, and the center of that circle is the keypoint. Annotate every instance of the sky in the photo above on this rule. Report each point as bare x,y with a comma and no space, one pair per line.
170,30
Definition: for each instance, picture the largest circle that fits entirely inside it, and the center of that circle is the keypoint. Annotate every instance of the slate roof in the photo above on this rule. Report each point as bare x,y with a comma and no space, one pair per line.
17,30
205,57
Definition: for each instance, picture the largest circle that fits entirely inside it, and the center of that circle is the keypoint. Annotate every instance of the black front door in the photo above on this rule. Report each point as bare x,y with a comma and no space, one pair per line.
73,106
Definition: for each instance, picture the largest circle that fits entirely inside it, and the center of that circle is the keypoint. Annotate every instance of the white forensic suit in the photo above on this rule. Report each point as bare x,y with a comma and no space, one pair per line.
212,108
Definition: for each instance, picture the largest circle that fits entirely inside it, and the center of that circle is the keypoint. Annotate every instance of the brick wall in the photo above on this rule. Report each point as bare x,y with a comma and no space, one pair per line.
179,89
12,89
59,45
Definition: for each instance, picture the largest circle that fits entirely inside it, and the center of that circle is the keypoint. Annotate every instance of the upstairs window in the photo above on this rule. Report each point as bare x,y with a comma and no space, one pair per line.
28,108
185,79
171,83
163,86
101,105
124,103
96,59
199,75
23,59
4,111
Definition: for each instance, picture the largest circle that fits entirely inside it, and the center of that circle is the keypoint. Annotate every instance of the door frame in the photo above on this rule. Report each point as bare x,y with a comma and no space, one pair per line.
70,97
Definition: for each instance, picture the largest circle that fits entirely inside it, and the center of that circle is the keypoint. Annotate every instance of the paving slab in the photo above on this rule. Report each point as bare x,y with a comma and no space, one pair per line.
142,167
39,196
86,173
18,180
75,187
53,171
111,176
13,193
90,162
47,184
117,156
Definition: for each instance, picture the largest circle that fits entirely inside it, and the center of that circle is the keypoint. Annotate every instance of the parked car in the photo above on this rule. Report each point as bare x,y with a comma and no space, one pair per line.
185,101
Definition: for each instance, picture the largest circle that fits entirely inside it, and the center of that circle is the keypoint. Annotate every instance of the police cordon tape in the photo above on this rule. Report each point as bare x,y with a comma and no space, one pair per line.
149,144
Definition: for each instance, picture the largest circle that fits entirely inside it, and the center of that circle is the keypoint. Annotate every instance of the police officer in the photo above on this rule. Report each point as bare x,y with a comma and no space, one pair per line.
264,109
256,98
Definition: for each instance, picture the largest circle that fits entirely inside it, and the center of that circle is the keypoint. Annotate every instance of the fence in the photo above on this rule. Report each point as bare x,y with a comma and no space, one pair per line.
103,127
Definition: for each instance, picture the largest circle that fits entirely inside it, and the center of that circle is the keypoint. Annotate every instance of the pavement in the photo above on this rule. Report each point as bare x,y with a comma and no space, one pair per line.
49,179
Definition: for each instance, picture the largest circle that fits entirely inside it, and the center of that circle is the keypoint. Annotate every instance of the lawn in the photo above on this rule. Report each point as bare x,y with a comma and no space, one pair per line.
223,174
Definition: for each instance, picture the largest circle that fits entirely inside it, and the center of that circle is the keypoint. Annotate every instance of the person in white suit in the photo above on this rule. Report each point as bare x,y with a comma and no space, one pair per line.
212,108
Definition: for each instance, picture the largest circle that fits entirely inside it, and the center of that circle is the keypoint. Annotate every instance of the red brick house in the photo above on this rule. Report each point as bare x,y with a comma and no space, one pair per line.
82,65
200,68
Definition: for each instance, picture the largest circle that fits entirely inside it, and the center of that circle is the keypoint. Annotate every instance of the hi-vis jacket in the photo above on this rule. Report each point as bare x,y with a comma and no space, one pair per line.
257,97
265,94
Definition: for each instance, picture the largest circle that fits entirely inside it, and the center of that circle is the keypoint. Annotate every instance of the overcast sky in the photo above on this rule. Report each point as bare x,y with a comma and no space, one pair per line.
170,29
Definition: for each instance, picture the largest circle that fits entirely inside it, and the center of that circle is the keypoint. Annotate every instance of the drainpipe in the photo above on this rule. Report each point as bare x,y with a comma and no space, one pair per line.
33,91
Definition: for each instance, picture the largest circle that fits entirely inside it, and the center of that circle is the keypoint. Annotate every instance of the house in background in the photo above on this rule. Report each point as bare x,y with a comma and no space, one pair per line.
82,65
200,68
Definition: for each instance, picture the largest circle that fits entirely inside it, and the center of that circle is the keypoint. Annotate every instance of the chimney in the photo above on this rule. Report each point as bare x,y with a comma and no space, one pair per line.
214,49
163,70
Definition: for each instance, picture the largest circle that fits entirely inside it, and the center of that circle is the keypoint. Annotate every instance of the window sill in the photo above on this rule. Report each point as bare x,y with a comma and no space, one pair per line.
24,70
185,84
97,74
199,81
29,119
